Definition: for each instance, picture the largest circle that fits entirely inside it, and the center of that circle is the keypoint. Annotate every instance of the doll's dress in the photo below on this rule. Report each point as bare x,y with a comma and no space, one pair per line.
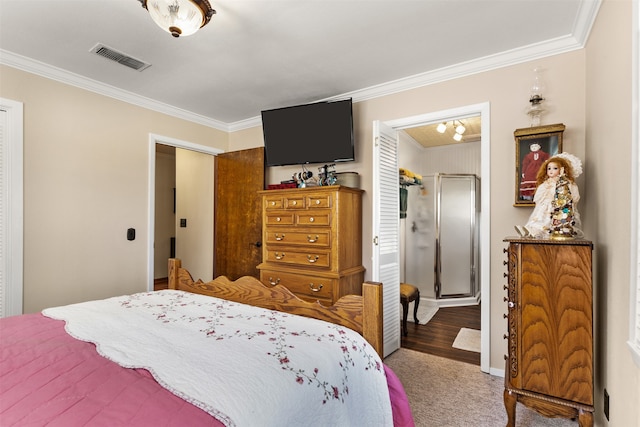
539,223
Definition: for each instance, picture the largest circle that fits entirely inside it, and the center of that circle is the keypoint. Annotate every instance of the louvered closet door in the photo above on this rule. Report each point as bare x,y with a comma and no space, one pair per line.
386,230
11,207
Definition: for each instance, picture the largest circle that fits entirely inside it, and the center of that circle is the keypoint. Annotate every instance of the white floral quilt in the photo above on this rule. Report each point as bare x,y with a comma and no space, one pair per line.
245,365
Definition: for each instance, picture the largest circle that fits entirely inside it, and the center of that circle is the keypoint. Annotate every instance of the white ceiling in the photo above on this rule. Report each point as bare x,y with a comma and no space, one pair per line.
263,54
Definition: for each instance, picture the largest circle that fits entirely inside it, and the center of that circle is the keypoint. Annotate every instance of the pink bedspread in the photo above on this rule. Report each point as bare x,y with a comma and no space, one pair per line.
48,377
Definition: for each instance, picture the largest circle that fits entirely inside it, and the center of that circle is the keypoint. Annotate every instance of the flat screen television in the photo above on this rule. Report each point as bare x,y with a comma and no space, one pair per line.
311,133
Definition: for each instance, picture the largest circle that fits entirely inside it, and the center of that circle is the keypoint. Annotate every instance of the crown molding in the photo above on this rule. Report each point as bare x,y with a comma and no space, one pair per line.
58,74
582,27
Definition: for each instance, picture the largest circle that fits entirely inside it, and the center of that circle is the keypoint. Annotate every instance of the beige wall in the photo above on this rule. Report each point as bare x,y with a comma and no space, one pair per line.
608,168
194,203
86,183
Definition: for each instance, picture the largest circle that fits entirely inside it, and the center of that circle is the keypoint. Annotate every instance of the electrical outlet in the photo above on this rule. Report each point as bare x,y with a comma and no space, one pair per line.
606,404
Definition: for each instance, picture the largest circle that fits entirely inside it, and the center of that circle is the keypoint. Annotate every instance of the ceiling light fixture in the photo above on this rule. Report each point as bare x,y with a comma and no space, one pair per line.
456,125
179,17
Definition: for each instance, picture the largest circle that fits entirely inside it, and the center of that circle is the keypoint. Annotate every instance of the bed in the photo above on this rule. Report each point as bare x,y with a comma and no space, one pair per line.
221,353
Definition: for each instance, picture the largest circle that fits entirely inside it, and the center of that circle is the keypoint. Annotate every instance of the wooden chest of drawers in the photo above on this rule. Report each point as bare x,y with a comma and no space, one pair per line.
312,241
549,366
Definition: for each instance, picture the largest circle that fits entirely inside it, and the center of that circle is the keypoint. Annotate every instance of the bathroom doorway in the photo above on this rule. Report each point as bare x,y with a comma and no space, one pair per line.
483,111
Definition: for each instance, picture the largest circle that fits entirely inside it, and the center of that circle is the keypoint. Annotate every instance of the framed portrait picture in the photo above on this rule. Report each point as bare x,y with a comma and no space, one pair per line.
534,145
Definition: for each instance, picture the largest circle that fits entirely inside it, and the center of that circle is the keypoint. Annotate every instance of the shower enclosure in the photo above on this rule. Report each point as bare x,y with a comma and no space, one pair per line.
441,238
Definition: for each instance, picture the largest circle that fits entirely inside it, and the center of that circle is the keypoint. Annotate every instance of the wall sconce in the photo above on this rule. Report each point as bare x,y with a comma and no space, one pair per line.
535,99
179,17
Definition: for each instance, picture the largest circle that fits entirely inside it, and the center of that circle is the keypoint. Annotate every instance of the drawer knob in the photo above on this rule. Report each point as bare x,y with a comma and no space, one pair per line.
294,203
278,219
311,239
273,203
315,288
279,255
311,259
273,282
311,219
317,202
280,237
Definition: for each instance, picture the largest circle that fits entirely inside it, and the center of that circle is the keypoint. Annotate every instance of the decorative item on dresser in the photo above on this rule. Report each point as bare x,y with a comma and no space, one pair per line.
549,366
313,241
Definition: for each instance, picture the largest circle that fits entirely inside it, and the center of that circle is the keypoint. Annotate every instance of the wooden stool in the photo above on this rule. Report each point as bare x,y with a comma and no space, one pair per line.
408,293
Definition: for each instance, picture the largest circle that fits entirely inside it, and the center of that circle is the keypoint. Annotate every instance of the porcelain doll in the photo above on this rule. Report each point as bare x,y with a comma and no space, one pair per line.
556,197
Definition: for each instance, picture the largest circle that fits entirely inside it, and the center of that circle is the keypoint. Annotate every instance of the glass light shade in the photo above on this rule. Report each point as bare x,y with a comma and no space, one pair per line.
460,129
179,17
537,87
457,137
441,127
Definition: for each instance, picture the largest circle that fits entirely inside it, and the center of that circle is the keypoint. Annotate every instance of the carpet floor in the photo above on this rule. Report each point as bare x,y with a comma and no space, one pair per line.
448,393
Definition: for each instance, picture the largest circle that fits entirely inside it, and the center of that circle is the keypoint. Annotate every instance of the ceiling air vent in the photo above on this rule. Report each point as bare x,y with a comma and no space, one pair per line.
119,57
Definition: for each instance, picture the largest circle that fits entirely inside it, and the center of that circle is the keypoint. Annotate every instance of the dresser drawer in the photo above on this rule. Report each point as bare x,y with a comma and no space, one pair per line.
279,218
311,287
318,201
299,257
320,217
319,238
273,202
294,202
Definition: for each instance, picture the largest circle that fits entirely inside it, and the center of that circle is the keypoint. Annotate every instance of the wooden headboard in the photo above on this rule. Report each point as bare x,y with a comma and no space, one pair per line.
363,313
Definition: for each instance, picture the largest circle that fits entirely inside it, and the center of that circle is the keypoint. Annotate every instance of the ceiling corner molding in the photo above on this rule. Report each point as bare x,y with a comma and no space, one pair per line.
44,70
245,124
585,19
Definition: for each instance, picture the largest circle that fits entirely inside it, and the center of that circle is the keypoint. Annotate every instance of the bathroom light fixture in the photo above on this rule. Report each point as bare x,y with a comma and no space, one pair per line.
456,125
179,17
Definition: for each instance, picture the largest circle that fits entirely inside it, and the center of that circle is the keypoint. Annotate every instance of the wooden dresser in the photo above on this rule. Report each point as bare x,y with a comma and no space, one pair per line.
549,367
312,241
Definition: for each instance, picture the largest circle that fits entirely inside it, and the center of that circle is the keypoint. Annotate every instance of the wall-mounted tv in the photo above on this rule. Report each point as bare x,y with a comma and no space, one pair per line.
311,133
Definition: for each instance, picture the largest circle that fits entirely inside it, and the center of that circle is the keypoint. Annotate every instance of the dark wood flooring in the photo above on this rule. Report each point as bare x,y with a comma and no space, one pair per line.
437,336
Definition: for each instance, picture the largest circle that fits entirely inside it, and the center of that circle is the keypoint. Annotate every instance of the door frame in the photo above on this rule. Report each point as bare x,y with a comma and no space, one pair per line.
166,140
484,110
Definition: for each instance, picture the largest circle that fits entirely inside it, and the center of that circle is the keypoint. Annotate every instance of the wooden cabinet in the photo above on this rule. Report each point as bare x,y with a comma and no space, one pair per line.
312,241
549,366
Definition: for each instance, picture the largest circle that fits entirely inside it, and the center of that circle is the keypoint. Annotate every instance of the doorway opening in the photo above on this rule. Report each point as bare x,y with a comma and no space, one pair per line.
154,140
483,111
